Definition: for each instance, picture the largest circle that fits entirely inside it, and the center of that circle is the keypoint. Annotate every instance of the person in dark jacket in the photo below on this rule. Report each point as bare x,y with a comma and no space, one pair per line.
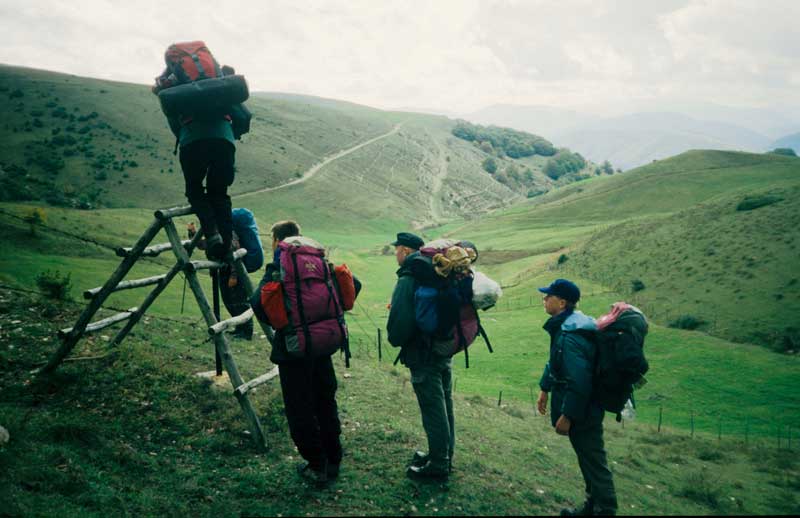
308,385
207,153
431,375
568,377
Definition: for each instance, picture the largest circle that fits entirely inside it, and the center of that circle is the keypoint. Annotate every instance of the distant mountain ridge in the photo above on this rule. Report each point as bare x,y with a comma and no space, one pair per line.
789,141
638,138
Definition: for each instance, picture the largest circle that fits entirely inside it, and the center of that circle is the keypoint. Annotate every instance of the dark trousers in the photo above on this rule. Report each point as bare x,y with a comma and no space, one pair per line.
236,300
433,385
211,160
309,398
587,441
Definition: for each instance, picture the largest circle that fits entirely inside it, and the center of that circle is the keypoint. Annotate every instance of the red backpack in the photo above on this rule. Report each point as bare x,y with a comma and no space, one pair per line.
191,61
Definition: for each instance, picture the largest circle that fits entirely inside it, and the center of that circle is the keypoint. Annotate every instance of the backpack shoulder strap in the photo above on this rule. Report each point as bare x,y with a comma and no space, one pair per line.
482,332
330,280
302,315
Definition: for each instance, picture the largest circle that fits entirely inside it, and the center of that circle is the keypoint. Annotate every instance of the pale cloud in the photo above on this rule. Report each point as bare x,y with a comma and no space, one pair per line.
448,54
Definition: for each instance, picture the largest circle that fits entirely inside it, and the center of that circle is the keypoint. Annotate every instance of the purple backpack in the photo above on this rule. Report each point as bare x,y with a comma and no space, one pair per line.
316,317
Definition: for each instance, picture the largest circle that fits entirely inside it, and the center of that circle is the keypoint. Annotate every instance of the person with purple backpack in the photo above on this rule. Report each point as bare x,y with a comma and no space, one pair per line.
300,296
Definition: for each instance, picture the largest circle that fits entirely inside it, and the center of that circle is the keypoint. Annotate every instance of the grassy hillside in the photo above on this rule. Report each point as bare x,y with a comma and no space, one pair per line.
733,271
87,143
135,432
132,430
674,227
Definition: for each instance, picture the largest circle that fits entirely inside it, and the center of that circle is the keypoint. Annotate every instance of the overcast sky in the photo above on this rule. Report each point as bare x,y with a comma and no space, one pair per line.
449,55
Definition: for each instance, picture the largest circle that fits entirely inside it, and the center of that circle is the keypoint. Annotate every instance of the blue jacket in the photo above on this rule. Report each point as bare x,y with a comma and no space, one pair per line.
244,224
568,374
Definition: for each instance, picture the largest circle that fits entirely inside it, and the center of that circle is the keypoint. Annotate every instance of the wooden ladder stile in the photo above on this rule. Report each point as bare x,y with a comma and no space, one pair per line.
183,250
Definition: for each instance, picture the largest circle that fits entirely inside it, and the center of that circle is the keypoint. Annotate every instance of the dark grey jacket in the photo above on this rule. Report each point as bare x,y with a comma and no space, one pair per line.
568,373
402,324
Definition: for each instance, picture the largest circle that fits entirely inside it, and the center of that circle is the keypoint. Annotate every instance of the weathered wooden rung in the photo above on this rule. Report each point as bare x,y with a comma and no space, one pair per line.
102,324
230,323
125,285
163,214
208,265
151,251
253,383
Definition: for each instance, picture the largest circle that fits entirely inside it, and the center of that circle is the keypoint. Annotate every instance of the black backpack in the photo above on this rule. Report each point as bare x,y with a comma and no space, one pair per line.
620,364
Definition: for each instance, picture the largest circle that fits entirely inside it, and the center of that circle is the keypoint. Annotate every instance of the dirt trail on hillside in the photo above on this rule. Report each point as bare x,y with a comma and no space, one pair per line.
438,180
315,169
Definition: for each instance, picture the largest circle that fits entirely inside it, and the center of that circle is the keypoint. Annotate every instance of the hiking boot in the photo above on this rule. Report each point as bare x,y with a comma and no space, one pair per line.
215,249
587,509
427,471
313,474
243,331
419,459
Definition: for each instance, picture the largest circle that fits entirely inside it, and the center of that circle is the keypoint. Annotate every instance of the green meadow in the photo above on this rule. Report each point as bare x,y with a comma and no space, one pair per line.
706,237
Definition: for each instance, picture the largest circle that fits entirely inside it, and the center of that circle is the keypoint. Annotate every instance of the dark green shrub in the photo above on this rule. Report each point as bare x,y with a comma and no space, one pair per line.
690,322
489,165
637,285
756,202
785,151
564,162
54,285
563,259
504,141
50,162
56,198
702,488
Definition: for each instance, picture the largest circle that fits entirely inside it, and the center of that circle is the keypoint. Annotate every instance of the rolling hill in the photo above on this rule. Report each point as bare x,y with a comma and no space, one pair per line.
708,234
82,142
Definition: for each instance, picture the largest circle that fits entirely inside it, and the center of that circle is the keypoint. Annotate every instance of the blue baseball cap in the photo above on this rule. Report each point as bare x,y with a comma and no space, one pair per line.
564,289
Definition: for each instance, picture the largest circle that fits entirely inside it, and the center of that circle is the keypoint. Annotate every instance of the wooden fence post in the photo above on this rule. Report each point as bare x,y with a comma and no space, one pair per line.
660,410
215,296
380,351
500,398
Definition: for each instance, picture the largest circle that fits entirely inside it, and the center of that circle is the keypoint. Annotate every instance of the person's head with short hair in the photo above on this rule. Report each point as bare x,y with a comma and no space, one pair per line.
405,245
282,230
560,296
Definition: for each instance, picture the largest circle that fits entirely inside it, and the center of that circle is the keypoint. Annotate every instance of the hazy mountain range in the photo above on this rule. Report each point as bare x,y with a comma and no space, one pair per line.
633,139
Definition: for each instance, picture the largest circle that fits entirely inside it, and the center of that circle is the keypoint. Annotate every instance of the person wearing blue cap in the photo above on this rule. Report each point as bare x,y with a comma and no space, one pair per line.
568,377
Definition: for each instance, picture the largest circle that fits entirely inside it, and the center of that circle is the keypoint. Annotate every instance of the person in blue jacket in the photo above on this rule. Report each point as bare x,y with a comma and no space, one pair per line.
568,377
244,235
